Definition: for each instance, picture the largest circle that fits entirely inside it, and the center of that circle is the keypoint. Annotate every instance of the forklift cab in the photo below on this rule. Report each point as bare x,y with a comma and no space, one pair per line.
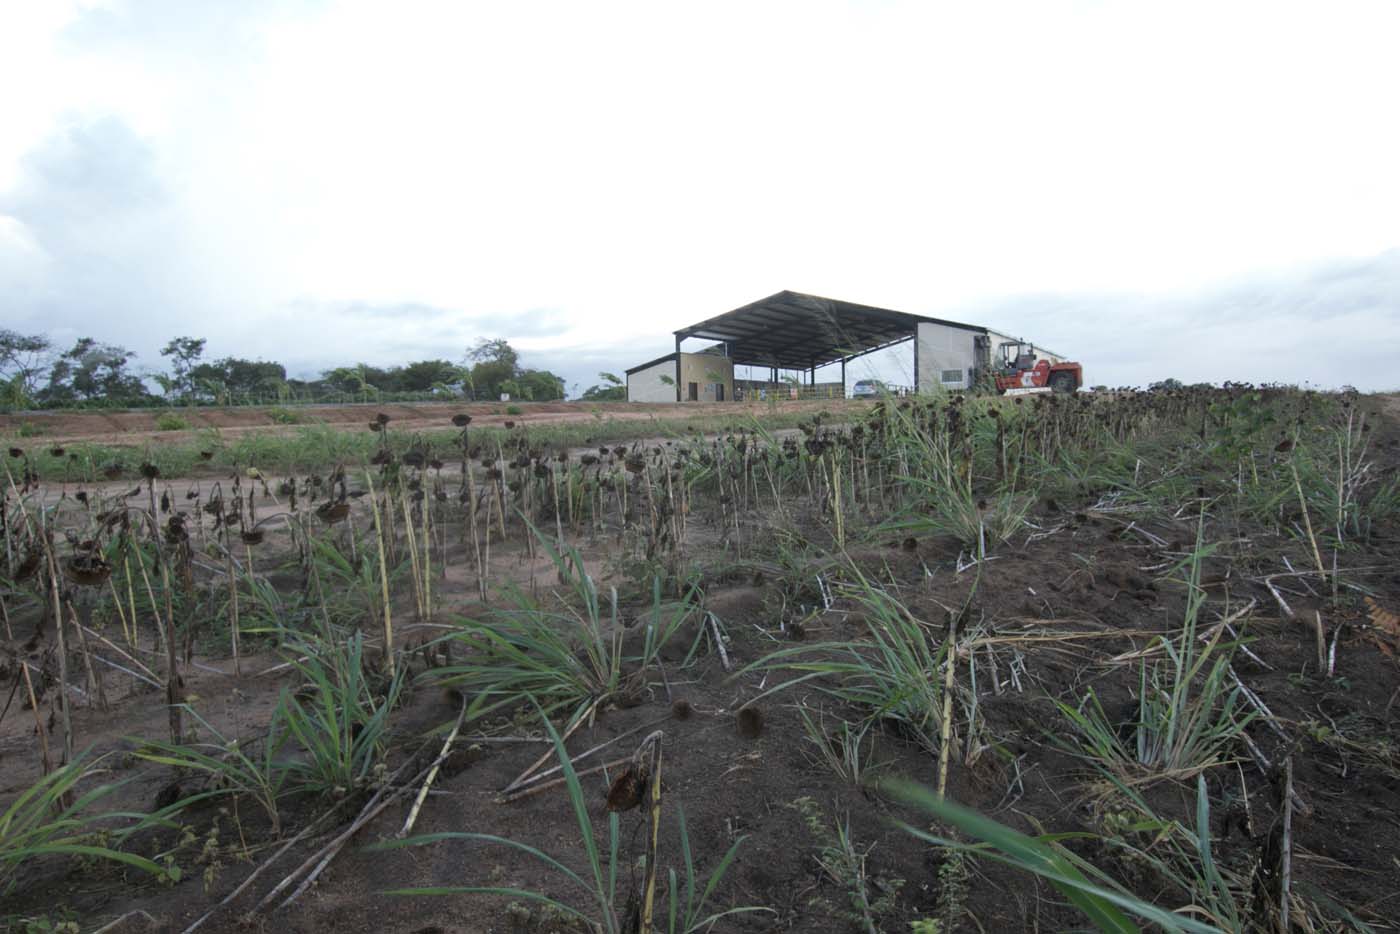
1016,357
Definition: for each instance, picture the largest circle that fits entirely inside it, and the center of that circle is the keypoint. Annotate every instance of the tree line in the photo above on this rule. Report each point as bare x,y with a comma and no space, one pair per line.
34,373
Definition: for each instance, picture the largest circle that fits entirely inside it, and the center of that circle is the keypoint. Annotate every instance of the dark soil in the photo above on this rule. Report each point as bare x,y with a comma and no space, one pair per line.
1057,611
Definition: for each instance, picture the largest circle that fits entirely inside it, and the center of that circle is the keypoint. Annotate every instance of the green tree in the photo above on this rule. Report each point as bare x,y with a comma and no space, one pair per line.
540,385
492,364
184,354
235,376
423,375
611,389
495,369
23,358
351,379
92,371
497,350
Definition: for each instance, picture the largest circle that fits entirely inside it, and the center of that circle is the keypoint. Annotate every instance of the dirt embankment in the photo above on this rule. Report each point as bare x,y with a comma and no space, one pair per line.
130,425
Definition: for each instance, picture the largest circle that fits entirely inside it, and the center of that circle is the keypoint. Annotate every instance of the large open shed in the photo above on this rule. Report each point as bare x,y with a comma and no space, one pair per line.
796,332
793,331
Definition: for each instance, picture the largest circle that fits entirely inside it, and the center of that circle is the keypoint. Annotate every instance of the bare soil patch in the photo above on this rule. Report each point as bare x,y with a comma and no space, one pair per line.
1057,609
135,426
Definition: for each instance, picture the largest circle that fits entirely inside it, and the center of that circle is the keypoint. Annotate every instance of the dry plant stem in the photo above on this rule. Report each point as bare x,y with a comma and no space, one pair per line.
1286,858
146,674
130,915
155,607
121,610
427,561
173,695
558,516
132,640
528,741
1307,520
433,773
381,799
383,579
1278,598
481,579
1258,705
38,720
471,518
127,671
415,570
572,728
233,612
96,686
836,502
584,755
945,732
719,640
653,744
676,531
1321,643
507,797
252,876
62,655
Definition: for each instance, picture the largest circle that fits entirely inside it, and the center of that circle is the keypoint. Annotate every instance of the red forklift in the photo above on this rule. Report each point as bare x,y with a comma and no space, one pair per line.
1018,367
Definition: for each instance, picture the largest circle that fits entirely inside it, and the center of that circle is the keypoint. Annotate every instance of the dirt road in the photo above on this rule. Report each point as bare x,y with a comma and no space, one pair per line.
137,425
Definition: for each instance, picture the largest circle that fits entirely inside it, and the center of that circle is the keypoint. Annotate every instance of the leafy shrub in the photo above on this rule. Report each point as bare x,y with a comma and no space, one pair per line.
283,416
169,421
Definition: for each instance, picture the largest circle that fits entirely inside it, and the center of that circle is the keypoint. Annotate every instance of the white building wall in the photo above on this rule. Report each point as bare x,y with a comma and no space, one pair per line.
646,385
942,351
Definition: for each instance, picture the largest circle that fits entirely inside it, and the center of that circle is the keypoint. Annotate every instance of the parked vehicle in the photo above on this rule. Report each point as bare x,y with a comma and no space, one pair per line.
1020,368
868,389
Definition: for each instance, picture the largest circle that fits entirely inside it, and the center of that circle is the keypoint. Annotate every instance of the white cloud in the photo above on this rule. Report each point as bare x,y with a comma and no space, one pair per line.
638,166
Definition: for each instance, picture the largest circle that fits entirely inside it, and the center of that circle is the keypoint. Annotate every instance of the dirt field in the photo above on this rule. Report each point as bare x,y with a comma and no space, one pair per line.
1068,603
137,425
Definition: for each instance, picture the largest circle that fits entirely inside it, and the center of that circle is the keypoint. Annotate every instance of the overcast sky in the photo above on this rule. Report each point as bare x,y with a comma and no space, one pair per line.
1208,191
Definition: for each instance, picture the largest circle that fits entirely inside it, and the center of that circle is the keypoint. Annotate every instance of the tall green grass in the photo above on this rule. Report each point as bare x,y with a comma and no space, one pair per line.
1188,711
687,900
54,817
1107,904
227,765
327,736
339,719
895,676
567,654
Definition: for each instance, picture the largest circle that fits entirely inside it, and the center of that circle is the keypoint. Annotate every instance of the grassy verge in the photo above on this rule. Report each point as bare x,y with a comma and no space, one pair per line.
317,447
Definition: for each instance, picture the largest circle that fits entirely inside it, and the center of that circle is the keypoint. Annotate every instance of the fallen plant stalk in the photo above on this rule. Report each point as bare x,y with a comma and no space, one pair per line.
433,772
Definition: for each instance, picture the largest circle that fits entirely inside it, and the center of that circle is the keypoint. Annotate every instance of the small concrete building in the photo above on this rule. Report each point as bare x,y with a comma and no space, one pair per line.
682,377
794,332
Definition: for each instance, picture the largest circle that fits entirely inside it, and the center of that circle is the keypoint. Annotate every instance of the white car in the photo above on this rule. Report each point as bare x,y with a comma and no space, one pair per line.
868,389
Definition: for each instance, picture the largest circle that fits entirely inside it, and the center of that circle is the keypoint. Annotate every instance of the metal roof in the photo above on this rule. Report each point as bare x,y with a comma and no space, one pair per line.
795,331
651,363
